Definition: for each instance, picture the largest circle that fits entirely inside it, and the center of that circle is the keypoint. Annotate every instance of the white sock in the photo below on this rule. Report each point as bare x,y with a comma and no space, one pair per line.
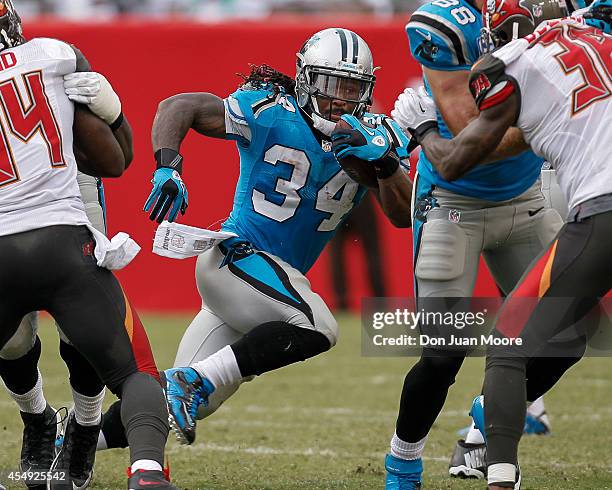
101,442
88,409
500,473
146,464
32,401
537,408
221,368
474,436
407,450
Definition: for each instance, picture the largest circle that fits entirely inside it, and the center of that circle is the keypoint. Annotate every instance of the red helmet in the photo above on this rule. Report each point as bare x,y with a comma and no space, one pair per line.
506,20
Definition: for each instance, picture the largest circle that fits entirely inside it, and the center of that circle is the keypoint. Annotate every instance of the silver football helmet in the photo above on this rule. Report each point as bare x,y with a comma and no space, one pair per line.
334,76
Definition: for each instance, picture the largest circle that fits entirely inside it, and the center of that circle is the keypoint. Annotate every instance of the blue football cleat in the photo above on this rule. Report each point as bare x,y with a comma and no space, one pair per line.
477,414
185,391
403,474
536,425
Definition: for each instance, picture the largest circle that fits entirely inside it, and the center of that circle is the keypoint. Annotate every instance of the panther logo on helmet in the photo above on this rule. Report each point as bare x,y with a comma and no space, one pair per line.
334,76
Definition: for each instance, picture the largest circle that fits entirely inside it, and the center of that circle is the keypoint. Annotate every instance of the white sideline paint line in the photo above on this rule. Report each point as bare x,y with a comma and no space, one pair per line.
326,453
598,412
265,450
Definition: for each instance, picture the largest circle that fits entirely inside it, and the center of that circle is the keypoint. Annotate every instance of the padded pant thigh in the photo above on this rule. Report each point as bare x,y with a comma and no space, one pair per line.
23,340
447,262
553,195
530,236
261,288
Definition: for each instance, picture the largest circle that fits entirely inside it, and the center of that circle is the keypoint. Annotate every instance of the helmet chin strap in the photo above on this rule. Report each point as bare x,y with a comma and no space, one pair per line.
324,125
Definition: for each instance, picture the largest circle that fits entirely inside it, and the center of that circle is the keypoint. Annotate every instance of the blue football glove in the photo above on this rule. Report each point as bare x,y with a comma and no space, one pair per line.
169,193
365,143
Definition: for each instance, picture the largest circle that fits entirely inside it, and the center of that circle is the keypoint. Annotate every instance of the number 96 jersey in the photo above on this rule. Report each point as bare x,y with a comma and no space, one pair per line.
292,194
38,184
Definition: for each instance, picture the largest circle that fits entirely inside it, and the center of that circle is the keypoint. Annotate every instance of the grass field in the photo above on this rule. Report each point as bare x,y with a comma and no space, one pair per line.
325,424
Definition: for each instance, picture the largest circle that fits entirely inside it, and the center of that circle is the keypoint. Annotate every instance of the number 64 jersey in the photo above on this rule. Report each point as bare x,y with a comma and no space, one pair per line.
291,194
38,184
562,73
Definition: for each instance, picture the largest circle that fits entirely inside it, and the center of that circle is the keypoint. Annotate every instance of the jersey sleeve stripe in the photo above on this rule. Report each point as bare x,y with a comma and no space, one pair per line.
394,137
261,105
438,24
497,97
233,108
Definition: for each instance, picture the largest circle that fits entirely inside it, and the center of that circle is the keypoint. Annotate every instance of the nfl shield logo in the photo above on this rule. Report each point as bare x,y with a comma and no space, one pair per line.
326,145
454,216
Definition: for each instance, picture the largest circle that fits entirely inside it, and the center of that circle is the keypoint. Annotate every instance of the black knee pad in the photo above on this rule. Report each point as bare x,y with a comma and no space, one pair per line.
20,375
440,369
273,345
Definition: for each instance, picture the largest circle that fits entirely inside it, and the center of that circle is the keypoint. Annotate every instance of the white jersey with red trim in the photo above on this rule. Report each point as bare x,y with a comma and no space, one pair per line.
38,185
563,74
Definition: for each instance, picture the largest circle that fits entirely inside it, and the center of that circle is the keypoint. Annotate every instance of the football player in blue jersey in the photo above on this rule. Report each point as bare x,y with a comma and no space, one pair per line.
497,211
259,312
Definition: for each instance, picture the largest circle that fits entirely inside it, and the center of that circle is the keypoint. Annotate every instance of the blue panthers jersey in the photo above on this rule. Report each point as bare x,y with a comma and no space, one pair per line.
445,35
292,194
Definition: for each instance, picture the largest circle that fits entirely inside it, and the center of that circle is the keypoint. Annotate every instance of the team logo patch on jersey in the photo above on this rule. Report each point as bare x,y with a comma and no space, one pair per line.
379,141
480,85
88,248
427,50
454,216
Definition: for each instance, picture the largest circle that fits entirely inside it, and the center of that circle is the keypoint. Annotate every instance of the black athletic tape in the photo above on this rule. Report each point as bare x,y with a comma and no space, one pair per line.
118,122
169,158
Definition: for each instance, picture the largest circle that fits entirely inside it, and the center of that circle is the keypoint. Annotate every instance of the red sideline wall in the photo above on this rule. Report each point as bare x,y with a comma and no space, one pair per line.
147,62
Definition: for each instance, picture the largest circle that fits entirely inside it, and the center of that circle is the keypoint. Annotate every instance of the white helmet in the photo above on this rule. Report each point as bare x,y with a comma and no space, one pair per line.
334,64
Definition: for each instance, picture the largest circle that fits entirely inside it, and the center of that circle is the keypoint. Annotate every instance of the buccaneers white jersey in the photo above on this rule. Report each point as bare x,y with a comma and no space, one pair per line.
38,185
563,72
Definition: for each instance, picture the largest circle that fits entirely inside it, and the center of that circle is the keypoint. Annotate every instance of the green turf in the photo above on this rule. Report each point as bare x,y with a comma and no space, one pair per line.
325,424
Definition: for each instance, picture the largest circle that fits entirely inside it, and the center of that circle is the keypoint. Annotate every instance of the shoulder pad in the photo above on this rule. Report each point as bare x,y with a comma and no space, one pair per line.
489,82
255,103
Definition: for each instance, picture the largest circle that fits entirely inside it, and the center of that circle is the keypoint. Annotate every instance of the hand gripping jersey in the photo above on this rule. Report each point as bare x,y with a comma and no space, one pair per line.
444,35
291,194
563,74
38,185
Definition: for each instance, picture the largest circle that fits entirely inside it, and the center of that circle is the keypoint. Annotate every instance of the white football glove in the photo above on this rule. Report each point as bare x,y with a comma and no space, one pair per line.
94,90
415,111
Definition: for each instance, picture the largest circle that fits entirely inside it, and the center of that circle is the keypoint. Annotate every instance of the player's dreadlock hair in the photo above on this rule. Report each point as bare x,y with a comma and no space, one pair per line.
263,74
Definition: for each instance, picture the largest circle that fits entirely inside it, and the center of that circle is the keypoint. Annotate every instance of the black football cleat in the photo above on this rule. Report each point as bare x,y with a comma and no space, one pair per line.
38,447
76,457
149,479
468,460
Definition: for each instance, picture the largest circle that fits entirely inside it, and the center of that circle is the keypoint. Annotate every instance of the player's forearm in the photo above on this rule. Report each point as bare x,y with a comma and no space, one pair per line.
453,158
173,121
395,194
123,135
98,152
512,144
